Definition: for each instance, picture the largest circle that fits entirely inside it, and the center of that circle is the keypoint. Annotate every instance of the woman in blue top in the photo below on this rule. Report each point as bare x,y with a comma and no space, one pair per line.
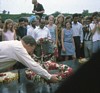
52,28
68,47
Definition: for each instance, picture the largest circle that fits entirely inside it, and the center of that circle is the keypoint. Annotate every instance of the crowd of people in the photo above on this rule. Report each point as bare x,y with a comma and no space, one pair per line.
74,36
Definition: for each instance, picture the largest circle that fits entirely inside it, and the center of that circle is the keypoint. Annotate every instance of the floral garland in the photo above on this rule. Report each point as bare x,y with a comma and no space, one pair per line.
63,71
44,40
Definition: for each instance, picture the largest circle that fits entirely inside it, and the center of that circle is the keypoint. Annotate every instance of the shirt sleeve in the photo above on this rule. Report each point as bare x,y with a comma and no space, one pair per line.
22,56
42,8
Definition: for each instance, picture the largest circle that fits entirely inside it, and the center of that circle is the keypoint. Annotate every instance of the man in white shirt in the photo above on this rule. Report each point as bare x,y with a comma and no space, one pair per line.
77,34
42,32
12,51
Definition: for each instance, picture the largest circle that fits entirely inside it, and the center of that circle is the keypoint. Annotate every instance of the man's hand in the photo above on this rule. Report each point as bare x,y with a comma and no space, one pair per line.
34,11
54,79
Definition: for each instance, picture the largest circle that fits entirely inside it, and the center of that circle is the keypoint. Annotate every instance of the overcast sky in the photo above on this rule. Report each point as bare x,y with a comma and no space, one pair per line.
50,6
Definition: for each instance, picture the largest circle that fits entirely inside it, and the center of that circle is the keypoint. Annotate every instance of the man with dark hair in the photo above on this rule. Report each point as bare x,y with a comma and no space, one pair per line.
12,51
77,34
38,8
21,30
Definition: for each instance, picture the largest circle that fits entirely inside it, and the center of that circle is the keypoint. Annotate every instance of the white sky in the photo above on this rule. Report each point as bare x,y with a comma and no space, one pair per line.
50,6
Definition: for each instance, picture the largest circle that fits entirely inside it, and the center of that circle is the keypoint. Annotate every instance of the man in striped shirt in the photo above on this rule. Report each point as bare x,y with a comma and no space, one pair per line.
87,38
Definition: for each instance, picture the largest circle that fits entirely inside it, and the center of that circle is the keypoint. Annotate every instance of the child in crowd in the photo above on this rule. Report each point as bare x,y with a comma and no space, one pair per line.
8,30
